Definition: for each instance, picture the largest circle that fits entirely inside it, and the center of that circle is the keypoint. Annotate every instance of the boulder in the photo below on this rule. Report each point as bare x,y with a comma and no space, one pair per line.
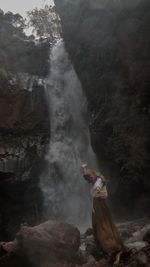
8,247
52,241
146,237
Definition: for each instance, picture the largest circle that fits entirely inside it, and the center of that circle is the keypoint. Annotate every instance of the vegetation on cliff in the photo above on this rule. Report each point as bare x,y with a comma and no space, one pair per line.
18,52
45,22
24,123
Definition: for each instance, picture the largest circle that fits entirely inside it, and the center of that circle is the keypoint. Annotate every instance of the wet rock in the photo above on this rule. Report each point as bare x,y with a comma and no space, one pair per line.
8,247
51,241
88,232
146,237
133,232
89,246
84,257
101,263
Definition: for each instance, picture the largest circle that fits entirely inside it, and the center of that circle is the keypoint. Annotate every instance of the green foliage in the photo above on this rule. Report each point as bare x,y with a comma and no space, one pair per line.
45,22
18,52
14,23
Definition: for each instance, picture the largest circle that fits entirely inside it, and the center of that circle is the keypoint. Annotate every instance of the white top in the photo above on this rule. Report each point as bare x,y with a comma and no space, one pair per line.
99,189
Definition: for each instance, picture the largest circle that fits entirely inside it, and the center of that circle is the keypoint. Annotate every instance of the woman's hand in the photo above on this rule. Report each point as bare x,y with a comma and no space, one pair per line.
99,193
84,165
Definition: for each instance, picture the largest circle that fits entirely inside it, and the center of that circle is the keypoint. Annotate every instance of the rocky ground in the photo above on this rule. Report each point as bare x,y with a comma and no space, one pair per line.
58,244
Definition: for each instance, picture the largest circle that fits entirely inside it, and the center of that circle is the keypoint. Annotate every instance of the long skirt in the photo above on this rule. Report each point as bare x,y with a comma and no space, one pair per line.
105,232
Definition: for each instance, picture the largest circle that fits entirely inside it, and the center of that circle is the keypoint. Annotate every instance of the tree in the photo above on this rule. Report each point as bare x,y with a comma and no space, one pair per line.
15,19
12,24
45,22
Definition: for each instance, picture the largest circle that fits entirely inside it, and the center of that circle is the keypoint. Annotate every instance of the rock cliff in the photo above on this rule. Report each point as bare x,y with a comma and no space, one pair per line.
108,42
24,125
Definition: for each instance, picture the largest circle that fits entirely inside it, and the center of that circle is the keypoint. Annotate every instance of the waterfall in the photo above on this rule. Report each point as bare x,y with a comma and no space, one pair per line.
65,191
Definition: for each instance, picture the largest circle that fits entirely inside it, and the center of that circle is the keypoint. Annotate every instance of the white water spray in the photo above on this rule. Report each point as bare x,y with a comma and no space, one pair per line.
64,189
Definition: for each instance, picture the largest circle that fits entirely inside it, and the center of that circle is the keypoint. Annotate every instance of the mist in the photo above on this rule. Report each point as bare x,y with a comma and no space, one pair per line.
64,188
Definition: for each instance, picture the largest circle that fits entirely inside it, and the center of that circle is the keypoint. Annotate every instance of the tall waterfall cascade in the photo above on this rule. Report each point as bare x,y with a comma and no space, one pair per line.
65,191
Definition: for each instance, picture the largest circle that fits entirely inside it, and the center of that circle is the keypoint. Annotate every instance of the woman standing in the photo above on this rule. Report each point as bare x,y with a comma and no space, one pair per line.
105,232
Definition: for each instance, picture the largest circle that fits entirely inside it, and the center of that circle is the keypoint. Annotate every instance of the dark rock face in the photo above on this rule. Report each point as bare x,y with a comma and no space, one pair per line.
24,125
23,111
108,42
24,134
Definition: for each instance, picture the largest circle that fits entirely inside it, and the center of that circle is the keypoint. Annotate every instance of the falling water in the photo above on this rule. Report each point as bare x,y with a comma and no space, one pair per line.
65,191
